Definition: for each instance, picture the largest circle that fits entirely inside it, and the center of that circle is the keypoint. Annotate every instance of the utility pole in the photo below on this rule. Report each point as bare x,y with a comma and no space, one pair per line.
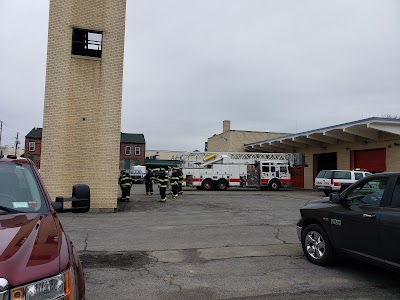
16,144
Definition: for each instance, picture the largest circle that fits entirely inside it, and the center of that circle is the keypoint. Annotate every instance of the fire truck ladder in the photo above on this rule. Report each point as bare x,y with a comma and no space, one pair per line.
199,159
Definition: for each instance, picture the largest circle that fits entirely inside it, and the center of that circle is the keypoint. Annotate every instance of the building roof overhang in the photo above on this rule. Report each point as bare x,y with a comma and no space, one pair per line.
363,131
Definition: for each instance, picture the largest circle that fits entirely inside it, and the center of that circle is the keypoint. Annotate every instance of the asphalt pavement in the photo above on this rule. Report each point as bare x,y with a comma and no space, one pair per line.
236,244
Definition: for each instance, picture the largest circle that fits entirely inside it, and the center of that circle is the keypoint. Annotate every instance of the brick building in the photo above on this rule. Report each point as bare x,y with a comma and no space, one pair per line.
33,145
234,140
132,150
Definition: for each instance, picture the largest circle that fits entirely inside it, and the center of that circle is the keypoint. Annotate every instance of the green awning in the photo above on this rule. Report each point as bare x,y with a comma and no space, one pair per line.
158,163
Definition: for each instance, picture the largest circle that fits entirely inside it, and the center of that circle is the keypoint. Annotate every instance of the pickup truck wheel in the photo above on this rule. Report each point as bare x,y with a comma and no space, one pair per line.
316,245
207,184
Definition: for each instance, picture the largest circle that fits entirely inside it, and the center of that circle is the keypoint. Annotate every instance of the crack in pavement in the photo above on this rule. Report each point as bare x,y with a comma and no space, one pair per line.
278,238
171,283
137,260
86,242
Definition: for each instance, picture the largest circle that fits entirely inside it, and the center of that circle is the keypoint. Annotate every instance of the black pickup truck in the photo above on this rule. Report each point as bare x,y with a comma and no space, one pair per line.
362,221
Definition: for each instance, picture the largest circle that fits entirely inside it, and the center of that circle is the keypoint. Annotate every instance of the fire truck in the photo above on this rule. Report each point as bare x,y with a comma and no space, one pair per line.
221,170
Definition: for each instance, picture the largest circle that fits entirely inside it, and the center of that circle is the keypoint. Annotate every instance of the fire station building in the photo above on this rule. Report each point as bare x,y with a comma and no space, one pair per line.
371,144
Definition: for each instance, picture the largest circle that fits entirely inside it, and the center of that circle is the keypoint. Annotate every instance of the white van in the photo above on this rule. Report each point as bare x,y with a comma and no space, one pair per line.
141,168
337,180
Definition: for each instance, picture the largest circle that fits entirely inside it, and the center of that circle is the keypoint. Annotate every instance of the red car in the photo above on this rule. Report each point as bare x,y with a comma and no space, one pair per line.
37,258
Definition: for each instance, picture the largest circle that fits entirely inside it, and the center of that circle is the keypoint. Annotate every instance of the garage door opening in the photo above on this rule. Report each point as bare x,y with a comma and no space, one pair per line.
325,161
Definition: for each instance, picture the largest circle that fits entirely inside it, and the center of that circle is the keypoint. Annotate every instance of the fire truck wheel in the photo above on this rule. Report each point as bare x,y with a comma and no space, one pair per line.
222,184
207,184
274,185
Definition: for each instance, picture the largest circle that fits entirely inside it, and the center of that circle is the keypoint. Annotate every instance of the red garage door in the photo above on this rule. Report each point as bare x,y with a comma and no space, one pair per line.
297,177
373,160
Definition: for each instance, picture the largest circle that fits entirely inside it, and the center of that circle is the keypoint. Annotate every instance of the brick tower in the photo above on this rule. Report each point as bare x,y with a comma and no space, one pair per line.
82,106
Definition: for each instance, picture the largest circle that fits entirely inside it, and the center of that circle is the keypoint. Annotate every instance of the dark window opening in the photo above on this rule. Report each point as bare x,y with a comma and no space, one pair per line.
87,42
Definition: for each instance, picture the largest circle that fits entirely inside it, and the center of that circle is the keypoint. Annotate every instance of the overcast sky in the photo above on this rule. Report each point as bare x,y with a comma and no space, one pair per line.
266,65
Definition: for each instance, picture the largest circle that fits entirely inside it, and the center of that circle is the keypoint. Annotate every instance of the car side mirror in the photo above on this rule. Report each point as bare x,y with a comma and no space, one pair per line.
335,198
80,200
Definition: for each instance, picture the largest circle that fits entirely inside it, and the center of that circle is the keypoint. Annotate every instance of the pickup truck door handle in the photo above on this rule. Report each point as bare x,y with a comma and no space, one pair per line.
369,216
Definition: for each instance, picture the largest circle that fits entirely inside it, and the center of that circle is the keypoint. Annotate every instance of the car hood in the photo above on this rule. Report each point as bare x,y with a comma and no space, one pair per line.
29,247
319,201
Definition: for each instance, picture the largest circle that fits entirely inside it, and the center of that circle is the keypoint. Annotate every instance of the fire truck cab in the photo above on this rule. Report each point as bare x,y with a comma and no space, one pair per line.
271,175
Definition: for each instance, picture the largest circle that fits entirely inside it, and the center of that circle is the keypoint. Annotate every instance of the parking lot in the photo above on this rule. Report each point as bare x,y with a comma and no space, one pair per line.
237,244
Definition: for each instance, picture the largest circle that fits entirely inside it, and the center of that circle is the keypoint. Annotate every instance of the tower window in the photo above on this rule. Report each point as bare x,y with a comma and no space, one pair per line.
86,42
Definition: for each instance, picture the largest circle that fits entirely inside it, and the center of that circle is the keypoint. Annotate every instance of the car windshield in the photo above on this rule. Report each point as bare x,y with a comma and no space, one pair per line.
136,172
19,190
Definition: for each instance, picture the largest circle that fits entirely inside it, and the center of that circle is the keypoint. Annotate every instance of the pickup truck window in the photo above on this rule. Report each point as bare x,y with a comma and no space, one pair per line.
19,189
370,192
396,194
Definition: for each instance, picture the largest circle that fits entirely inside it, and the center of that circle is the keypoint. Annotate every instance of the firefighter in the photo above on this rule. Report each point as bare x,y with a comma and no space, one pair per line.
180,182
148,180
163,184
174,182
125,182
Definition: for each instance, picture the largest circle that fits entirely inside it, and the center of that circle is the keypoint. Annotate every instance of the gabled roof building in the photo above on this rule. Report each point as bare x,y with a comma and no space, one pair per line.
132,148
371,144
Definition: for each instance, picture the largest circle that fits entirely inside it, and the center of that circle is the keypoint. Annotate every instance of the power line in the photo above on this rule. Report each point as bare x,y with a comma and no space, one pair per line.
7,134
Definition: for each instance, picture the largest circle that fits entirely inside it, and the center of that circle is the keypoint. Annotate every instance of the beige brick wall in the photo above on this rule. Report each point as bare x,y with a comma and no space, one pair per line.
233,141
308,169
219,142
82,109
